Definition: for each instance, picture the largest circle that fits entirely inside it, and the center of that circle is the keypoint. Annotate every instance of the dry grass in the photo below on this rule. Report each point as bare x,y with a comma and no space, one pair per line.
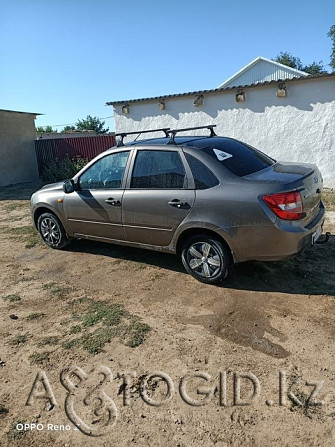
328,198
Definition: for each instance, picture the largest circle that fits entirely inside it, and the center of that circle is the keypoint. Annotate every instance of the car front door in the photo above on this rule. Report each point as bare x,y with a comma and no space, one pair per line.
94,209
158,196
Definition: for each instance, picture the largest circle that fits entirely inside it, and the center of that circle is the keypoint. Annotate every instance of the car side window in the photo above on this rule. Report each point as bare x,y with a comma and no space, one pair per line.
203,176
158,170
106,173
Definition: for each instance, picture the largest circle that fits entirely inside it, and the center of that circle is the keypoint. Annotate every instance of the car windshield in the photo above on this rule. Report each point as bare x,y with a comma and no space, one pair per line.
239,158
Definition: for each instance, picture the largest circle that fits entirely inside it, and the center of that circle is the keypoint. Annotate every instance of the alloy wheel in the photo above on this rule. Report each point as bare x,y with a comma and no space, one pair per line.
204,259
50,231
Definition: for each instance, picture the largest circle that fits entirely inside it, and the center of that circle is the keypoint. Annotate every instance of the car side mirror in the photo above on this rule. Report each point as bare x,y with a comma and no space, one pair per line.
69,186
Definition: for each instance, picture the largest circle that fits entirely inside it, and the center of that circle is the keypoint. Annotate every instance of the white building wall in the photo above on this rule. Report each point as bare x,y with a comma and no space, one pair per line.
299,127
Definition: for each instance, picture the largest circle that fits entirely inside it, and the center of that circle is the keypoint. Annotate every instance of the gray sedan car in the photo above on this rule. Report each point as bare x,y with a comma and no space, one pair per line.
213,200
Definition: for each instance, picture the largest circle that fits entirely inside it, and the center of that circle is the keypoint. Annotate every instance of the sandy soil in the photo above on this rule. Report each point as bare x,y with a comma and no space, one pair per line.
266,319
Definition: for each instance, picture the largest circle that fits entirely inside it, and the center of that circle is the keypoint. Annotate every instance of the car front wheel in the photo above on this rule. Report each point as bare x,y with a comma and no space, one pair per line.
52,231
206,258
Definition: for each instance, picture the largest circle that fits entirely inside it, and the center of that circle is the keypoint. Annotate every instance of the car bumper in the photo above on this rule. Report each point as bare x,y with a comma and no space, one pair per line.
276,242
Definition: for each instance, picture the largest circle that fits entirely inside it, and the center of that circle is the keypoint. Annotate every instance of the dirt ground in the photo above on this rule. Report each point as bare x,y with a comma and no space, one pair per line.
71,318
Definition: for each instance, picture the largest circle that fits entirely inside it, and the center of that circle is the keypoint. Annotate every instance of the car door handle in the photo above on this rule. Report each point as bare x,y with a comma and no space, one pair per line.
113,202
177,203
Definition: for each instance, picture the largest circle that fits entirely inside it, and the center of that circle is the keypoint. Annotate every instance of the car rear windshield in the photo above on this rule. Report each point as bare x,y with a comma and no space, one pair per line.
239,158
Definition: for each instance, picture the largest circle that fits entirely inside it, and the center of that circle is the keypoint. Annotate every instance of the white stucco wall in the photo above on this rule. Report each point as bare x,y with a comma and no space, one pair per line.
298,127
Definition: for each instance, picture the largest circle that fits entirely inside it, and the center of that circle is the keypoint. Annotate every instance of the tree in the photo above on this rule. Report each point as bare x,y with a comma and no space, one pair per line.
92,123
68,129
286,58
45,129
315,68
331,34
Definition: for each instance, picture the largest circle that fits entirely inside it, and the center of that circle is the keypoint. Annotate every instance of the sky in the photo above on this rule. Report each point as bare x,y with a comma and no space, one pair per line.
66,58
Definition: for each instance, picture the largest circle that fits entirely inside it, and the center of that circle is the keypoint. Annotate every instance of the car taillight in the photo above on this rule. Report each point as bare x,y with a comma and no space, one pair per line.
286,205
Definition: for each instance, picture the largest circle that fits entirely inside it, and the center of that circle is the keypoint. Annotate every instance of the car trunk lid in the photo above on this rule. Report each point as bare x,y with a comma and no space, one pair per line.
302,177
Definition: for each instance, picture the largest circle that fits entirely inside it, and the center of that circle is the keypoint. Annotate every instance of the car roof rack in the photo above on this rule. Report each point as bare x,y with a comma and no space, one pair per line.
139,132
173,132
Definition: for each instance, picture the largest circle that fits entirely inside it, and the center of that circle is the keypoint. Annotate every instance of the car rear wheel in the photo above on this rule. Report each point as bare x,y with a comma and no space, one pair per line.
52,231
206,258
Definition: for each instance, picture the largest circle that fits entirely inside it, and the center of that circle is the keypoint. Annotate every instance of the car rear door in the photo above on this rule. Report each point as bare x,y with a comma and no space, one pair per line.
158,196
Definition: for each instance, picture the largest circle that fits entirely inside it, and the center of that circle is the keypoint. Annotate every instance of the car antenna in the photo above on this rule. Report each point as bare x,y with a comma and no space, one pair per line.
139,132
174,131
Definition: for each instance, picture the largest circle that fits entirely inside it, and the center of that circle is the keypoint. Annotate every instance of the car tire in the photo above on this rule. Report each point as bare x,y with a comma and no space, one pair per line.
52,231
206,258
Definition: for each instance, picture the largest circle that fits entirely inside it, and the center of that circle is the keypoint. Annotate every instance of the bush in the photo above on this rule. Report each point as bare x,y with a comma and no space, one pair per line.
58,170
79,163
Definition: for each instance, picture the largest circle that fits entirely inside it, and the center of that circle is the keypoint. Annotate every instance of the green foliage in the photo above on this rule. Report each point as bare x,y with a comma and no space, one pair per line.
57,290
51,341
331,34
79,163
35,316
68,129
286,58
92,123
93,343
18,340
39,357
315,68
98,311
136,332
45,129
69,344
12,298
58,170
75,329
103,322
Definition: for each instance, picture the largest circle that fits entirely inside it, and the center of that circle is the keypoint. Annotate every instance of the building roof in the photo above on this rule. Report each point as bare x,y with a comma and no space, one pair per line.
224,89
262,69
25,113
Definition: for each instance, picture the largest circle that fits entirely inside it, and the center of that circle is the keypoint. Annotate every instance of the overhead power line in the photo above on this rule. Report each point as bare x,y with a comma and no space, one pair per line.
73,124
